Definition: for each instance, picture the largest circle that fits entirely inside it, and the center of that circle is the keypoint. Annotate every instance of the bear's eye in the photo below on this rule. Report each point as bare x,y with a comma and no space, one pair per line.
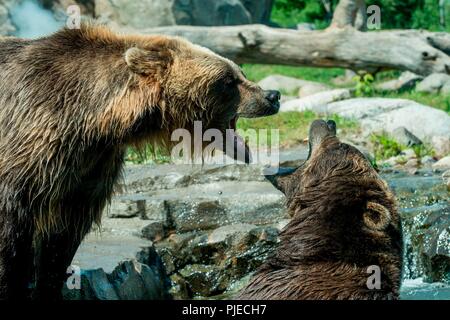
230,81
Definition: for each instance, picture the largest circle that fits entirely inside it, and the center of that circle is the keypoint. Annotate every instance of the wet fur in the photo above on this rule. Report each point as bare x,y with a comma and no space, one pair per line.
70,104
327,247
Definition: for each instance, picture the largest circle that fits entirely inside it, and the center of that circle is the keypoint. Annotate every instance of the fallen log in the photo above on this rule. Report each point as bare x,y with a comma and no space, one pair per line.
420,52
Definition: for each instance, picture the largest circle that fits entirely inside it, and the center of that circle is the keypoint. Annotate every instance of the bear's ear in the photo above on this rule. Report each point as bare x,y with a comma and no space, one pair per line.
147,61
376,217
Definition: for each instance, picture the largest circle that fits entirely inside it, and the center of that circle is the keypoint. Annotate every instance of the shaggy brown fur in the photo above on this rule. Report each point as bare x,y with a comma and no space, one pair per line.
70,103
344,219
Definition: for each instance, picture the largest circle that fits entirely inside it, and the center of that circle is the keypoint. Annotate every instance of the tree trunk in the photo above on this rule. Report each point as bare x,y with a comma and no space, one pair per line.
350,13
328,9
442,13
417,51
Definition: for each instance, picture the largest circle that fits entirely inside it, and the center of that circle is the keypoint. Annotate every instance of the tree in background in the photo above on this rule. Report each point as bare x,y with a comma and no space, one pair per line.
404,14
442,10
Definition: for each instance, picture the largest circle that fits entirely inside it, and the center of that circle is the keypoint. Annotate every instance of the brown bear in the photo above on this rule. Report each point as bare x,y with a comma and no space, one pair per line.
70,104
345,238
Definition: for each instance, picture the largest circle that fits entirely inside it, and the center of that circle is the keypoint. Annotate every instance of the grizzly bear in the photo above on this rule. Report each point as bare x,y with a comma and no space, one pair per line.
345,233
70,104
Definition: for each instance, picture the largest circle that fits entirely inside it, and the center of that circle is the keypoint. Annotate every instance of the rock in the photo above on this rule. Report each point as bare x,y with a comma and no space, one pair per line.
208,206
430,239
6,26
317,102
283,83
441,145
140,179
130,280
59,7
427,160
99,285
180,288
433,83
180,240
211,13
125,208
408,154
211,262
260,10
170,261
230,233
106,249
204,280
436,253
442,164
405,137
445,89
250,252
407,159
285,98
426,237
310,89
135,14
446,178
155,231
386,115
411,166
346,79
152,13
135,281
406,81
393,161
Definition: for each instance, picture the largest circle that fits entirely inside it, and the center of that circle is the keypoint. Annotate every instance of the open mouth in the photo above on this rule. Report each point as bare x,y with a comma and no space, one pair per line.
235,146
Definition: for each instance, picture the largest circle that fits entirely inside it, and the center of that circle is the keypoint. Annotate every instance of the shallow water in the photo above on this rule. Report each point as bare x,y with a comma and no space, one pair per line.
425,209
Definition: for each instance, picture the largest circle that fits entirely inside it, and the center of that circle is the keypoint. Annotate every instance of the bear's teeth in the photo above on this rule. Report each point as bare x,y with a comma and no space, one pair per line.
239,150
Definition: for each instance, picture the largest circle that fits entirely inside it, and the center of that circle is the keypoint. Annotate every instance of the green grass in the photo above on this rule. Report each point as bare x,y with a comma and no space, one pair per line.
385,147
147,154
294,126
257,72
438,101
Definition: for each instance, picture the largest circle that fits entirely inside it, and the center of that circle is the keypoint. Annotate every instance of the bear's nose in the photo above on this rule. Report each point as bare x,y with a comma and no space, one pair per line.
273,96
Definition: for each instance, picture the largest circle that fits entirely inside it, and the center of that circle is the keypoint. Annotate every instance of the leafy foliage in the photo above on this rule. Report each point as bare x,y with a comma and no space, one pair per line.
385,147
364,85
404,14
288,13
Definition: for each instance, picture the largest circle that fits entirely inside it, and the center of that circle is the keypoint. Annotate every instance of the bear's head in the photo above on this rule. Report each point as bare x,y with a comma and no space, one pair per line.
190,83
341,208
132,89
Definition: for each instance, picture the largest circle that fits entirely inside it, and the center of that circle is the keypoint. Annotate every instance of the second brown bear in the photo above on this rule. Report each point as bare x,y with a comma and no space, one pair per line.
345,238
